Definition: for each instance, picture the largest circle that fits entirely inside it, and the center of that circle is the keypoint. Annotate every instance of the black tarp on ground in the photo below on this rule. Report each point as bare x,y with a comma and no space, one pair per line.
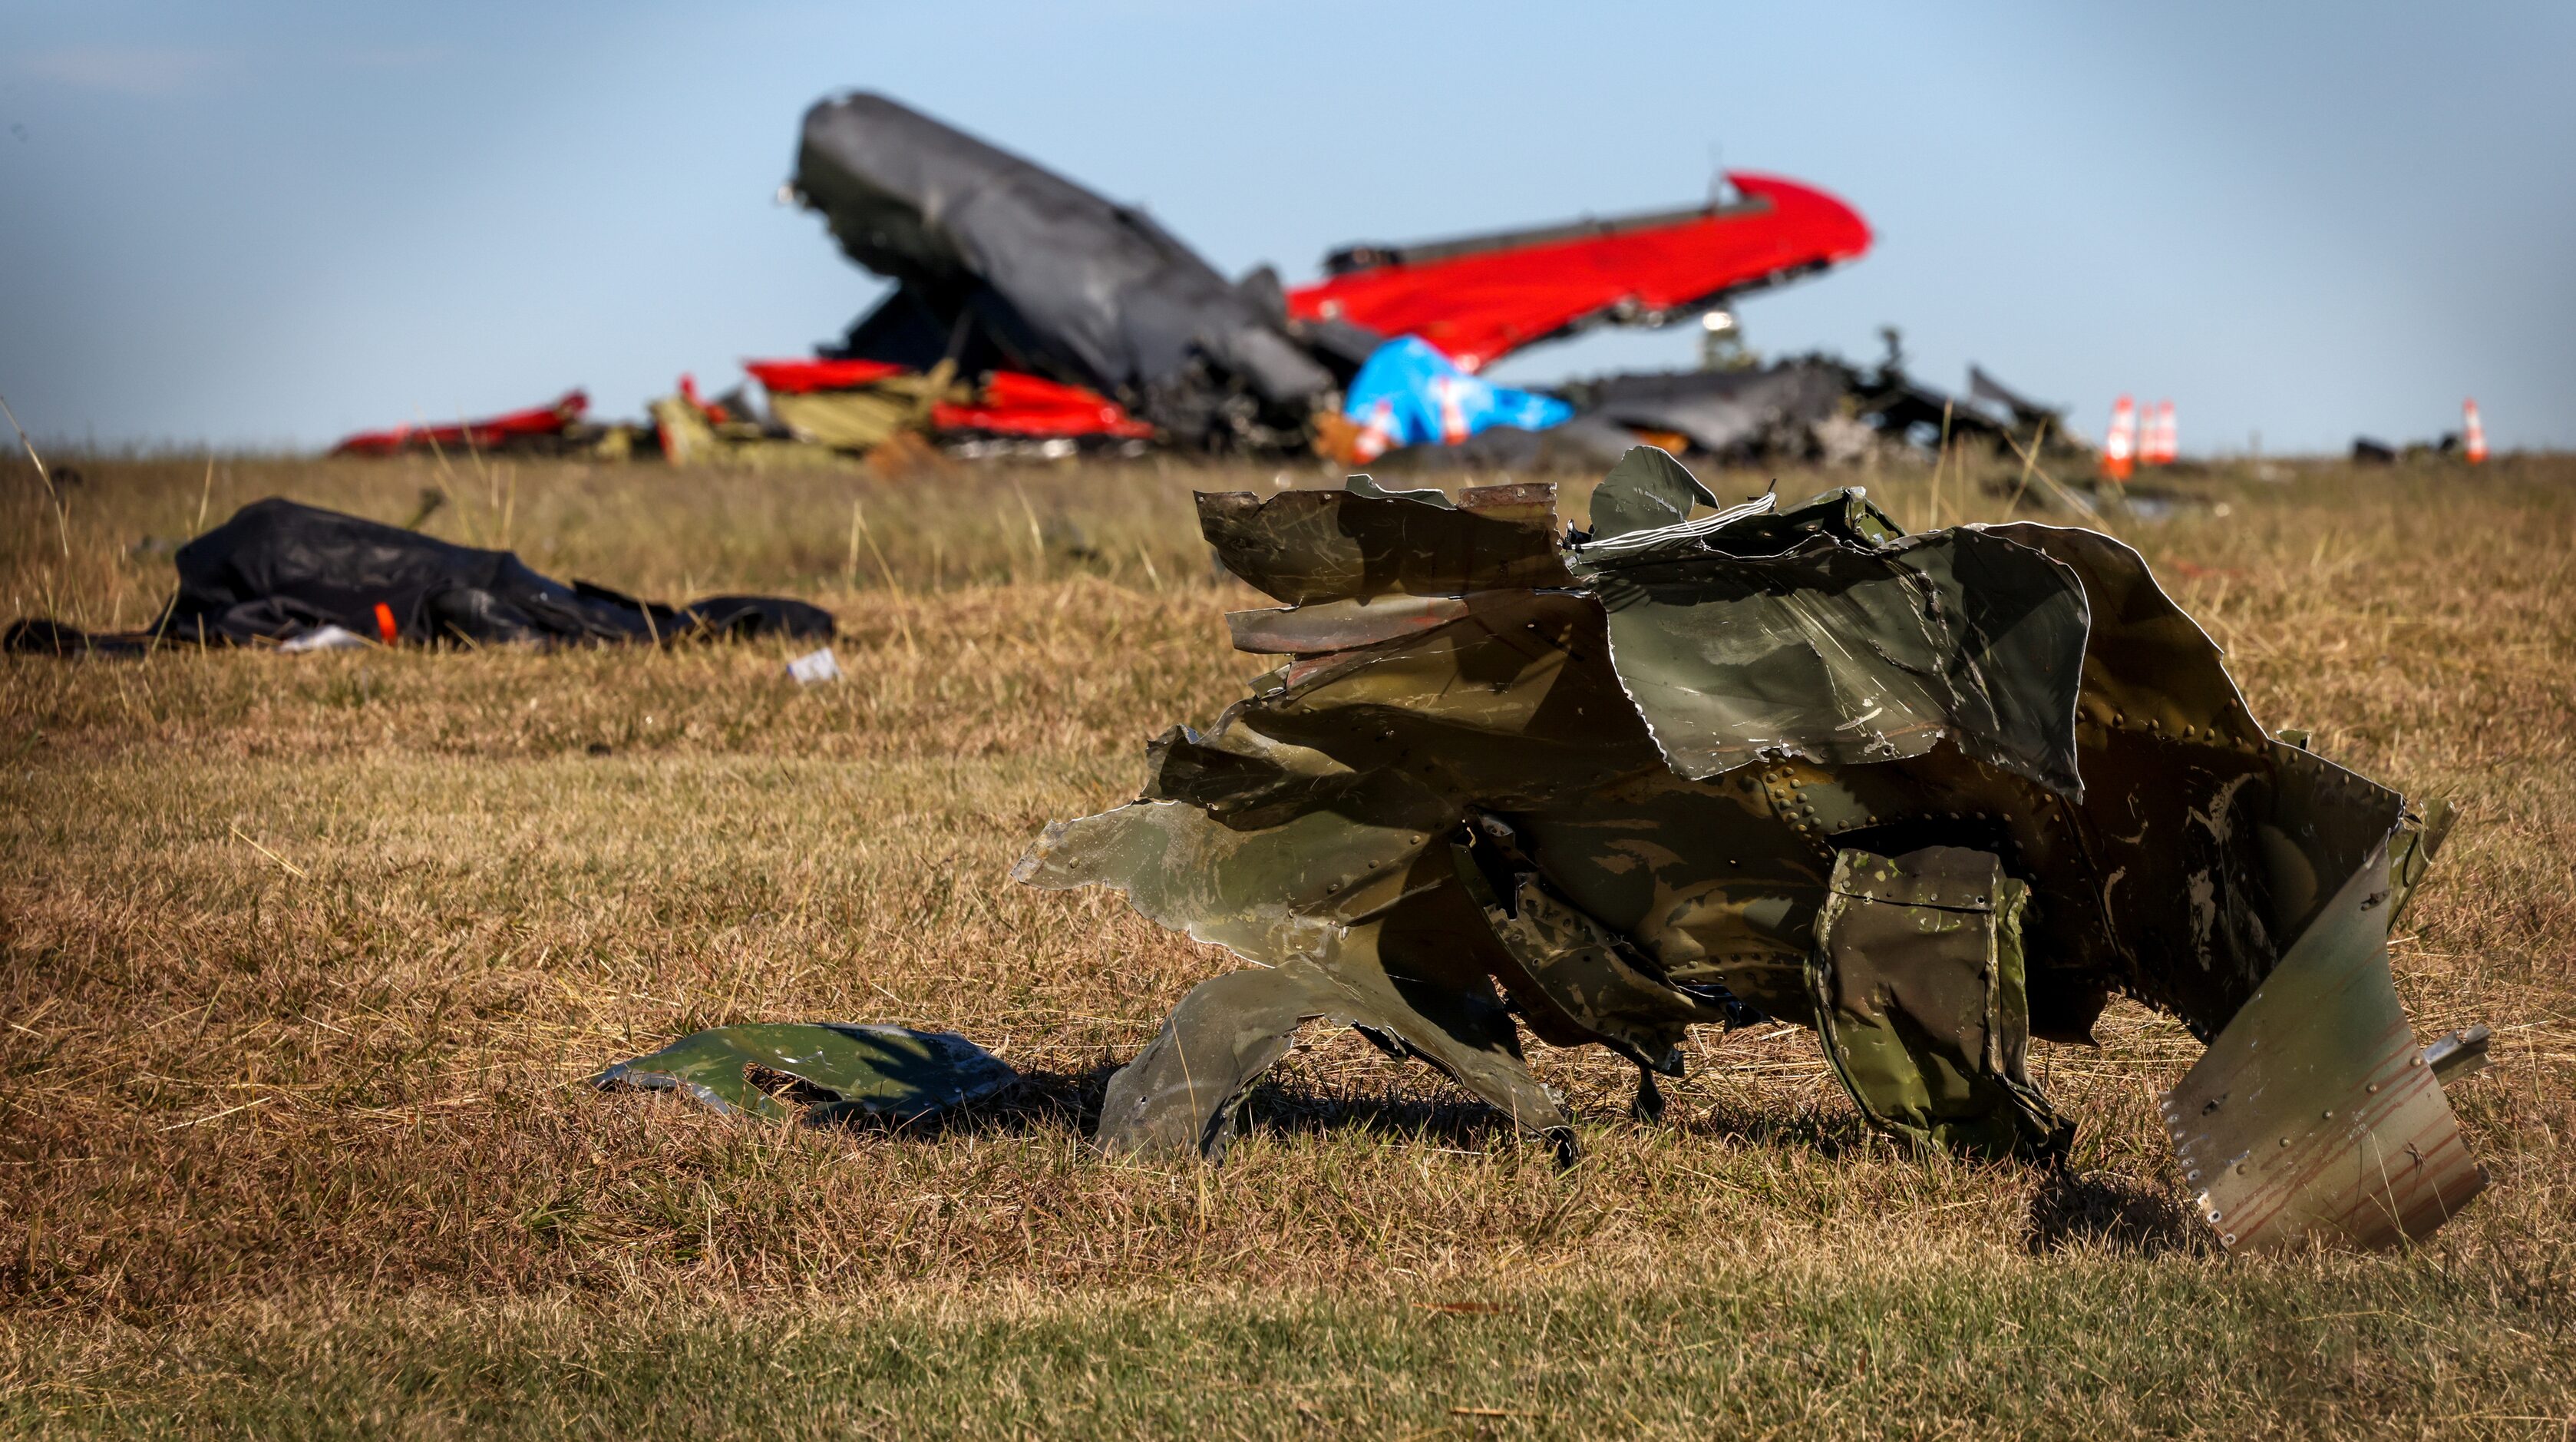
996,255
278,570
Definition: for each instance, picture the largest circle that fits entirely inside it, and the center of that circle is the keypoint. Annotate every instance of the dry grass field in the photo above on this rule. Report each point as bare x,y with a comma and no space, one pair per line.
303,959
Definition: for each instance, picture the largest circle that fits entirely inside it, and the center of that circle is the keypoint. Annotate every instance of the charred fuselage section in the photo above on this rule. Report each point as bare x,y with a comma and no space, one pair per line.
1002,264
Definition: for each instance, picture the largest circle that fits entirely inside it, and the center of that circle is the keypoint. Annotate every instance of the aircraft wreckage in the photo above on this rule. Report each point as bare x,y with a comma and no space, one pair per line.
1029,311
1931,795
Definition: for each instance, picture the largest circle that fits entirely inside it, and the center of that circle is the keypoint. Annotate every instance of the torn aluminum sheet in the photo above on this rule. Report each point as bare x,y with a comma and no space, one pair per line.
843,1071
2315,1112
1934,795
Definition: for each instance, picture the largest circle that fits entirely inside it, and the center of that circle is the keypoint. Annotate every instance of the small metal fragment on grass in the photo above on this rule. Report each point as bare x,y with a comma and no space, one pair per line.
2459,1055
323,638
842,1071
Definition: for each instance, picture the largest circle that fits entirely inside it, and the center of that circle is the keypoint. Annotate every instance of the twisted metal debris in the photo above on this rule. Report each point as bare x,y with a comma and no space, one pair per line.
1930,795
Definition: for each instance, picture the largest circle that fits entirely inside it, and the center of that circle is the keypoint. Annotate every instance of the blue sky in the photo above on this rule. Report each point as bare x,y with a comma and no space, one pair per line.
269,223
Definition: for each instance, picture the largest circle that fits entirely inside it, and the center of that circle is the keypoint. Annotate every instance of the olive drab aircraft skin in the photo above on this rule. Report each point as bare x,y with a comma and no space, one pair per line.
1931,795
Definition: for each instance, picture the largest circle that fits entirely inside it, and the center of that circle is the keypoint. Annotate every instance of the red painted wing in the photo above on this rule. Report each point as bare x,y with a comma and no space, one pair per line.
1480,300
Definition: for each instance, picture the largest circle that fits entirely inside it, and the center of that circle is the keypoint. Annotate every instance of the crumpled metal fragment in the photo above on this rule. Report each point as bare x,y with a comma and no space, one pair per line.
1843,654
1918,982
1610,786
1647,491
845,1071
2315,1114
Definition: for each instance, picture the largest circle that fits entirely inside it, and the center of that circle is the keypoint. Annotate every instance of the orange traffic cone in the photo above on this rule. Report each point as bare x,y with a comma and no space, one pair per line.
2120,447
2475,432
2162,445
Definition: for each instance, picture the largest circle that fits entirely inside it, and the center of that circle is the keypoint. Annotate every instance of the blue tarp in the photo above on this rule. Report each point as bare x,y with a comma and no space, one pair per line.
1409,394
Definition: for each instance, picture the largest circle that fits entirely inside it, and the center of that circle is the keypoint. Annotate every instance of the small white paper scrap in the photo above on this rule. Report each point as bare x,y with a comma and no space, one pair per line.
815,666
